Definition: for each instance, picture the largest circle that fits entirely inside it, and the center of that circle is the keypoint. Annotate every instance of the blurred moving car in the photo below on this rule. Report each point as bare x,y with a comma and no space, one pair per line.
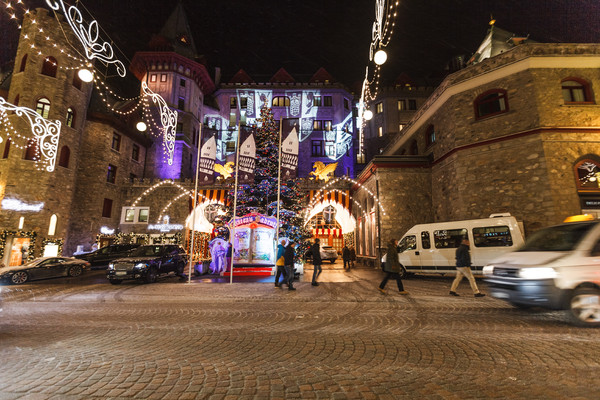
557,268
147,263
327,253
105,255
42,268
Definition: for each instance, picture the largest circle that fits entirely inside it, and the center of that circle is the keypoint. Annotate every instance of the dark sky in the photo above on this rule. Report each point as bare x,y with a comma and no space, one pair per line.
261,36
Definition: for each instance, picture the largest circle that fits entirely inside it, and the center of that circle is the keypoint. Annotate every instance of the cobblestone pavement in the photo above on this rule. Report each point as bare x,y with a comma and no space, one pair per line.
66,339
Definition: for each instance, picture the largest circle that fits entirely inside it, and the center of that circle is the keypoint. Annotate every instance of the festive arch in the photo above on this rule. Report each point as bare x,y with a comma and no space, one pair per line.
156,186
342,215
197,221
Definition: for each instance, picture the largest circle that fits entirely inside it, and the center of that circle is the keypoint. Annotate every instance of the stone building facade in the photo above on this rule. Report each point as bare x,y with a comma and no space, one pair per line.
508,134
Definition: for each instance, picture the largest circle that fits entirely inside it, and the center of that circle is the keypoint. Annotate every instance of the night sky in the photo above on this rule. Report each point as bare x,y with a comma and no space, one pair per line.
261,36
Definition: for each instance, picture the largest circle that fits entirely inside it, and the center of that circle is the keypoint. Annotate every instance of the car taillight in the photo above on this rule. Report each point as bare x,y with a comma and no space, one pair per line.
87,265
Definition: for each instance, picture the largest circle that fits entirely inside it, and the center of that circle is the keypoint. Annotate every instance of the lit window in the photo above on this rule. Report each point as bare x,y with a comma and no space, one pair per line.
232,103
379,108
317,101
317,125
116,142
330,149
43,107
152,77
111,175
401,105
491,103
576,91
281,101
163,77
327,125
380,131
70,117
49,67
243,102
52,225
401,127
143,216
430,135
129,215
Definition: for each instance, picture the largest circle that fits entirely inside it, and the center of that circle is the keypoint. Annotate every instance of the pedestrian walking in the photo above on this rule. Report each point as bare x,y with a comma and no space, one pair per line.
280,262
288,257
392,268
316,259
463,268
346,256
352,257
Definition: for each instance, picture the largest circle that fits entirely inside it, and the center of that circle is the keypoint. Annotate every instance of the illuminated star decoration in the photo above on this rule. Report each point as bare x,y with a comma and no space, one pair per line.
168,118
45,131
88,36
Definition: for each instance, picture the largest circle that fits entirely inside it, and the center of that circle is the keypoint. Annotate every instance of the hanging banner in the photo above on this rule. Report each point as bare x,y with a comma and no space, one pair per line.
247,156
289,148
206,168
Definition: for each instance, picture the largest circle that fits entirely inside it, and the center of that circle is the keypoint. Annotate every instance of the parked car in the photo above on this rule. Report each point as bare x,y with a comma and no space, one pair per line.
105,255
557,268
431,248
147,263
327,253
42,268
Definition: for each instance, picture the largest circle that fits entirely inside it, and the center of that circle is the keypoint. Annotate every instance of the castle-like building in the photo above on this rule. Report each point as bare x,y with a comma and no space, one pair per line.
101,178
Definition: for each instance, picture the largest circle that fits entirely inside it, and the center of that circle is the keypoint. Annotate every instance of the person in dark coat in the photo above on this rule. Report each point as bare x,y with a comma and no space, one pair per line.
352,257
288,258
280,262
392,268
463,268
346,256
316,259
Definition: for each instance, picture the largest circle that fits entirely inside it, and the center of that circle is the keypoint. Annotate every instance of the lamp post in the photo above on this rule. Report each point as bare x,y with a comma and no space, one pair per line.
195,203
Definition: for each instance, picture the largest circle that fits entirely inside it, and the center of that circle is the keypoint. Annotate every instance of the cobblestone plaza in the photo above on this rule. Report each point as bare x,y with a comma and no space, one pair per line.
342,340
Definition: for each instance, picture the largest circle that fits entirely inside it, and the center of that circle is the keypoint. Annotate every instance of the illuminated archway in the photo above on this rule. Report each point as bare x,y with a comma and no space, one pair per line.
342,215
197,221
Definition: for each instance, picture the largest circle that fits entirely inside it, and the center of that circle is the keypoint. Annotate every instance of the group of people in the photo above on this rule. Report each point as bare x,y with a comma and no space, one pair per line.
286,253
393,268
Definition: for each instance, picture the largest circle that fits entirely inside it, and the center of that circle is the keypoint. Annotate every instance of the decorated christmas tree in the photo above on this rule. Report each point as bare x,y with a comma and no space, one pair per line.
261,195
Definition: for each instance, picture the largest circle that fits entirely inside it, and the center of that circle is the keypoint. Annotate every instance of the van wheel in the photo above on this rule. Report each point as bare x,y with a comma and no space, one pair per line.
584,308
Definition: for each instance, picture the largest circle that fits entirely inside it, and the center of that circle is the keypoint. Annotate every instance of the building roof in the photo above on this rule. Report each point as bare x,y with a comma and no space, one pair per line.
176,33
282,76
321,76
496,41
241,77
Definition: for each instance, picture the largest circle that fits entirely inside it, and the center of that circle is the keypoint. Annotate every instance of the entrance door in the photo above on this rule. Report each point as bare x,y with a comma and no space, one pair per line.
19,251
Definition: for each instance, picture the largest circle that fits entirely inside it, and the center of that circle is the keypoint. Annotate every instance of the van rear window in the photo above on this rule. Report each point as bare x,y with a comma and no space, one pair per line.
492,236
448,238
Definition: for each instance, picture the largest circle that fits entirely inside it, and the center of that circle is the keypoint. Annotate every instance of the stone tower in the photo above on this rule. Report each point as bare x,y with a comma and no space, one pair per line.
44,79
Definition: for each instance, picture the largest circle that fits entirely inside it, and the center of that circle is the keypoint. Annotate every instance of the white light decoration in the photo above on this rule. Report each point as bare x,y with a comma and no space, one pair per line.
380,57
165,227
21,222
88,36
85,75
141,126
105,230
168,118
18,205
368,115
45,131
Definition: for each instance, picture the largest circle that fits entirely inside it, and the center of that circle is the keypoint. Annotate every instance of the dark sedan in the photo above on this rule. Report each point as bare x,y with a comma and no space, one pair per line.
42,268
147,263
103,256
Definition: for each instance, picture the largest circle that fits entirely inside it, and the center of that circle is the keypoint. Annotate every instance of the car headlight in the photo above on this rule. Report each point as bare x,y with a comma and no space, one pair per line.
111,266
537,273
488,270
140,266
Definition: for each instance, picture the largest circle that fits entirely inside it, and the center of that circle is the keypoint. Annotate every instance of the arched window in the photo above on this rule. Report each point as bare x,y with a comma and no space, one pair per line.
414,148
575,90
70,117
65,154
492,102
587,174
281,101
50,66
430,135
16,102
32,150
43,107
52,225
6,148
23,63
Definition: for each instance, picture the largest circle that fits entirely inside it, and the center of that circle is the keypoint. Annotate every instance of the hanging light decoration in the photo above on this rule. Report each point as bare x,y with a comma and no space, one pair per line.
380,57
85,75
141,126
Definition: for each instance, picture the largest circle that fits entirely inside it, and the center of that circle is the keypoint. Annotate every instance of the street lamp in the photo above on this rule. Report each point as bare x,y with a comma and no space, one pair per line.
380,57
367,115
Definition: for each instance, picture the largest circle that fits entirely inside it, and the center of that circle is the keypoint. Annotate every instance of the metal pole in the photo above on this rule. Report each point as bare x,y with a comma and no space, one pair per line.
279,181
237,170
194,205
378,221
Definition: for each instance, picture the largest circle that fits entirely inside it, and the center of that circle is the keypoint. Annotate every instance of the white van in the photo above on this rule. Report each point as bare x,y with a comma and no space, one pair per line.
431,248
557,268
